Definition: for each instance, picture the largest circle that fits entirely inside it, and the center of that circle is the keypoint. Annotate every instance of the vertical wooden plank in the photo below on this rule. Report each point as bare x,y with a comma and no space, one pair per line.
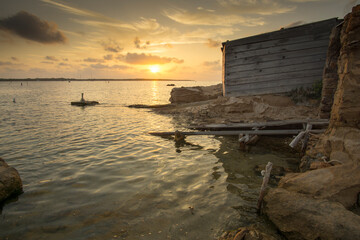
224,69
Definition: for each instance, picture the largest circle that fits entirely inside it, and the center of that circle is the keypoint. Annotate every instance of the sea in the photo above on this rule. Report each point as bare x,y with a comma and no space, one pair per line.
95,172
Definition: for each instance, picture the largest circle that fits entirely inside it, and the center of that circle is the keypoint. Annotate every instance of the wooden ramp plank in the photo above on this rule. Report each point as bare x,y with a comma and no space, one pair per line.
236,133
317,122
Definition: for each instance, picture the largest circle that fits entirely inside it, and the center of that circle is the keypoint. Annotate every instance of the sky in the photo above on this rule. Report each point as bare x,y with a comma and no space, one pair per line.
117,39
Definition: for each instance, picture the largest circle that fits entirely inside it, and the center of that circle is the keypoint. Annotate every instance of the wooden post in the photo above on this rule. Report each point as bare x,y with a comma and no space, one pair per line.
306,138
264,185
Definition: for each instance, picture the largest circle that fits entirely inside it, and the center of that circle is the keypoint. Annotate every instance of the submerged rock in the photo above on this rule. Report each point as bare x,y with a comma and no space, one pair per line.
10,181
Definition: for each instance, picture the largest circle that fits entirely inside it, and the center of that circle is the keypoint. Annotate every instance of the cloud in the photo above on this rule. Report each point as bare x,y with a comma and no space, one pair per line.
212,65
31,27
72,10
93,60
2,63
47,62
103,66
294,24
108,57
64,64
111,46
138,45
213,43
101,20
261,7
51,58
147,59
206,18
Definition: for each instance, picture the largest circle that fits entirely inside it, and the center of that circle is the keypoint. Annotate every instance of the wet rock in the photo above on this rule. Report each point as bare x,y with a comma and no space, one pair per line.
275,171
10,181
300,216
246,233
195,94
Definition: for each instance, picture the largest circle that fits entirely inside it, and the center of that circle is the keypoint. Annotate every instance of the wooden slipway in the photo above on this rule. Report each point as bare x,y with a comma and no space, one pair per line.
240,128
293,123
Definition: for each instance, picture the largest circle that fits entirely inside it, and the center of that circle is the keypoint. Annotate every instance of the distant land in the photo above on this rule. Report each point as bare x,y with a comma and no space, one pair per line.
92,79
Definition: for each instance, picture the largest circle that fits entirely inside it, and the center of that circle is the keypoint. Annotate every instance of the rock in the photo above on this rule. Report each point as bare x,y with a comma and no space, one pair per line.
247,233
275,171
330,76
10,181
339,183
299,216
195,94
318,164
346,109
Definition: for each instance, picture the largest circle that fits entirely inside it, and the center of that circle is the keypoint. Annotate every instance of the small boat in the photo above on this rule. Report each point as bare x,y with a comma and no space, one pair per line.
170,84
82,102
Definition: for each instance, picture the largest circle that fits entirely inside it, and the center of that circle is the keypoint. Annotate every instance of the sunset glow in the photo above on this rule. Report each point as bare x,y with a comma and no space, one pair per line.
135,39
154,68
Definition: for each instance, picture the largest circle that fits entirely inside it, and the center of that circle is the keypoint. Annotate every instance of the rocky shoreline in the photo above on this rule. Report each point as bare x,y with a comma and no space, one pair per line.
322,200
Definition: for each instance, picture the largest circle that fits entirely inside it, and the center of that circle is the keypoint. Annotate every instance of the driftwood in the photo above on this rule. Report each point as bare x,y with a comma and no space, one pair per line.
236,133
264,185
296,140
245,140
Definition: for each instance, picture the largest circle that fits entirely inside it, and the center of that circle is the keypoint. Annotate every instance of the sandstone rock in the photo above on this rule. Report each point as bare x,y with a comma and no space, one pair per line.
330,77
338,183
10,182
318,164
346,108
299,216
195,94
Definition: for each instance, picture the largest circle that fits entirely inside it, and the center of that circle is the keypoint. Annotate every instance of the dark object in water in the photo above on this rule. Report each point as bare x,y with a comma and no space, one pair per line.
85,103
170,84
148,106
82,102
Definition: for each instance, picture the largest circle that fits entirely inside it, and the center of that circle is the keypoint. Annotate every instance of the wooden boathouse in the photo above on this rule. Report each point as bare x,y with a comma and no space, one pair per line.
276,62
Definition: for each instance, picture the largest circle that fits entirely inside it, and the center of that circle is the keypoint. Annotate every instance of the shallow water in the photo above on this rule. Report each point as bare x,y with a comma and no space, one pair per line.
95,173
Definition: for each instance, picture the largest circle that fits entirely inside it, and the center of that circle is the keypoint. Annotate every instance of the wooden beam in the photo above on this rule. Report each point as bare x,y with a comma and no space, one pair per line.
316,122
236,133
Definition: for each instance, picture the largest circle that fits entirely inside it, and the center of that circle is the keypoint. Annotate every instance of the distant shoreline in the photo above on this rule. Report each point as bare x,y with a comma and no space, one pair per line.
83,80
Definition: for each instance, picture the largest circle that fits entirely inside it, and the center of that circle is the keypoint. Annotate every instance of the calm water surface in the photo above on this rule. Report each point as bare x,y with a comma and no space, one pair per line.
95,173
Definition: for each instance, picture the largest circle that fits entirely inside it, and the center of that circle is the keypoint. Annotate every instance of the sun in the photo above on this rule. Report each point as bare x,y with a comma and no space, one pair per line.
154,68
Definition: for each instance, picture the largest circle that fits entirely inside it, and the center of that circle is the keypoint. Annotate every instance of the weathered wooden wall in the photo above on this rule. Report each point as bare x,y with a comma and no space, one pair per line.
276,62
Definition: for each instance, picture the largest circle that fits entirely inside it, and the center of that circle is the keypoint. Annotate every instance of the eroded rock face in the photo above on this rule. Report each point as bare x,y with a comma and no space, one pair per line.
195,94
10,181
330,76
300,216
346,108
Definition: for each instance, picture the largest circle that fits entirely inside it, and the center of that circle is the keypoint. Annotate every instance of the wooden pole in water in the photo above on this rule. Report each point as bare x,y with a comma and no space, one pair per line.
264,185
